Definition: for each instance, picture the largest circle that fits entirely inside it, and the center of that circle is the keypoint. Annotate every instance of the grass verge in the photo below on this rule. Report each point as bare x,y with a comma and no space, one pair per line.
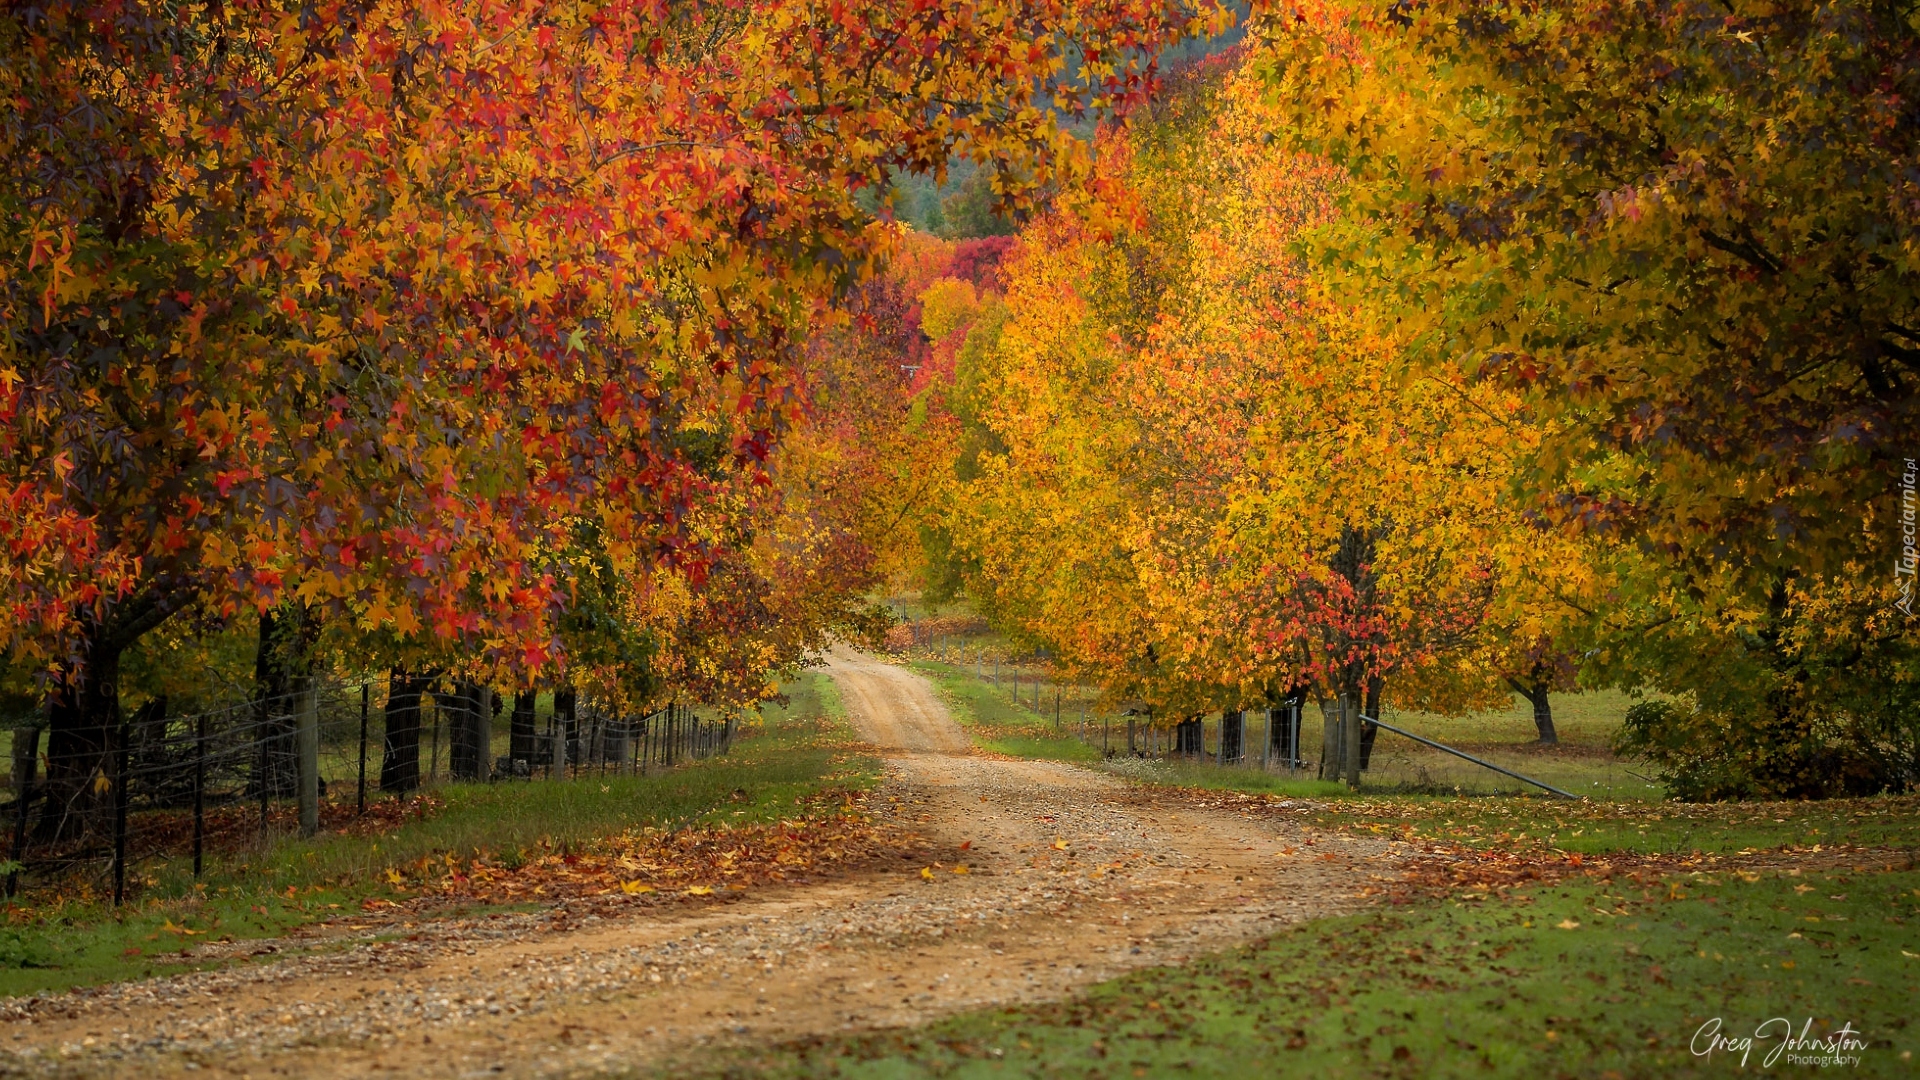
1604,978
54,942
1632,828
999,723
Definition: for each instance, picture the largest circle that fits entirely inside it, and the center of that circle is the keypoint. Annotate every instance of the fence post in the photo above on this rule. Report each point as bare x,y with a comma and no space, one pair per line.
559,769
120,817
366,700
262,766
1350,715
1297,716
199,791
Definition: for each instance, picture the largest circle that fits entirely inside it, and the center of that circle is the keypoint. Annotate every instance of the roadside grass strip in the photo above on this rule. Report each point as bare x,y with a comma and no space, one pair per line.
1625,976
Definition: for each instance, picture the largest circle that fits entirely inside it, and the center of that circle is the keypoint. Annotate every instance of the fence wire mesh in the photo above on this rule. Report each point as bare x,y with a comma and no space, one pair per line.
172,787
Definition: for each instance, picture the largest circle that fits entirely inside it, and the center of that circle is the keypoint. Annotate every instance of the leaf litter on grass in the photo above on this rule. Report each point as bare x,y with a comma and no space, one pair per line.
695,860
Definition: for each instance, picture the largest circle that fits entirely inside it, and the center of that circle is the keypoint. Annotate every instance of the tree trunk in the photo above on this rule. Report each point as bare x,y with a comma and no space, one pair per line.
522,740
1232,735
1369,731
566,719
400,754
1189,738
279,677
83,711
1543,713
80,730
470,731
147,729
488,707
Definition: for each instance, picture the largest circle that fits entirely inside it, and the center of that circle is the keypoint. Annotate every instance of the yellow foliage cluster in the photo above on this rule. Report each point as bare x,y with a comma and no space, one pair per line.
1206,480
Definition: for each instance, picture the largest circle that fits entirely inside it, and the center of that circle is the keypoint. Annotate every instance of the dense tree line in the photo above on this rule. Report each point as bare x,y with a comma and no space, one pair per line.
1434,353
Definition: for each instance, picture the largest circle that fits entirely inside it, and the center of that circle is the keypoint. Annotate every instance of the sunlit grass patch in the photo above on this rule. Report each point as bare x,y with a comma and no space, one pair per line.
1001,724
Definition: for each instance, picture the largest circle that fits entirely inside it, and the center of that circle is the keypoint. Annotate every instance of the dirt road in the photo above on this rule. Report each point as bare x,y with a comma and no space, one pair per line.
1070,877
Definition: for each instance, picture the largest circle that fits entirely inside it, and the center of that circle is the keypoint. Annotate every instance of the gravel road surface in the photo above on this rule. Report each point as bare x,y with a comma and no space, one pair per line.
1048,877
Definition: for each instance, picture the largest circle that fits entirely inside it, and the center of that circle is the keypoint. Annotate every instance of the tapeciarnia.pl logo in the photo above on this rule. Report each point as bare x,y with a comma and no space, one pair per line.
1904,568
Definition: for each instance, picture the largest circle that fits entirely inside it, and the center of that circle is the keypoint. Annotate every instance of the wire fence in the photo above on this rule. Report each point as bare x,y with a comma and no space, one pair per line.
1288,739
173,786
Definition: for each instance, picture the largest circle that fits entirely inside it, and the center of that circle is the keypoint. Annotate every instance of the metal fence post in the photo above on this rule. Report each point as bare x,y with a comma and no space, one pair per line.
120,817
307,746
199,791
366,700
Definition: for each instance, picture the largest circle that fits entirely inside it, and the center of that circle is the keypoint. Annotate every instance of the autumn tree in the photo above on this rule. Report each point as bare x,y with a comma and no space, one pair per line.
1675,229
361,303
1200,479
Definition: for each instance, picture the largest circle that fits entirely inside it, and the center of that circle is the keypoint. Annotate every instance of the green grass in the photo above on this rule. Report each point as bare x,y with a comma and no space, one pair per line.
1593,978
1588,719
1582,763
997,722
1633,821
51,943
798,753
1197,774
1633,828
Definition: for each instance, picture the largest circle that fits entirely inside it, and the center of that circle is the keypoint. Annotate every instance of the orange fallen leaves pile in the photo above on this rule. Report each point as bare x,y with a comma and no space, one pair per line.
702,860
236,826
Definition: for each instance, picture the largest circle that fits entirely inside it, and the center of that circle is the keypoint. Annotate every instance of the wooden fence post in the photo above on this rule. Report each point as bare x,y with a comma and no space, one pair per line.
1350,712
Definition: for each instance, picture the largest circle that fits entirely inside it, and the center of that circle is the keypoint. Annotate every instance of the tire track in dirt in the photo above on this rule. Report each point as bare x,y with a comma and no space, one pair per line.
1052,877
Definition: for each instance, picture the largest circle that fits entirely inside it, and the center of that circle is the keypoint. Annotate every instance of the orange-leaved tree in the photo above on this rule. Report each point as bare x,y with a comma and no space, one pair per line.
357,306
